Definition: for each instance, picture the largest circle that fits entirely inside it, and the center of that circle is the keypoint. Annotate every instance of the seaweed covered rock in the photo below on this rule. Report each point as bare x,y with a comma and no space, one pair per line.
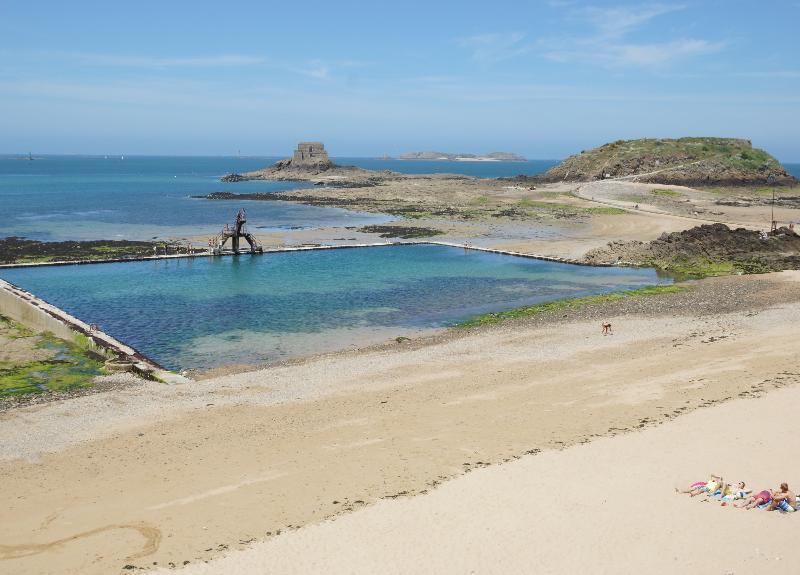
711,249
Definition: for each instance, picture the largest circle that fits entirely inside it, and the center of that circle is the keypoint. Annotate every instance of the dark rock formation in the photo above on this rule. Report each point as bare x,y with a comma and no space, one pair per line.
310,163
708,247
233,178
403,232
15,250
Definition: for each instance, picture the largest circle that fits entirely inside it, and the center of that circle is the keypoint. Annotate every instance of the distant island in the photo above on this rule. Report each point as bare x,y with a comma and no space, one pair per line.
700,161
490,157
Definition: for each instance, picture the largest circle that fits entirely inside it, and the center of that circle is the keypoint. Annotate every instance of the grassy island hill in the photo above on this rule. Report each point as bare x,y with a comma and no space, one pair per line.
685,161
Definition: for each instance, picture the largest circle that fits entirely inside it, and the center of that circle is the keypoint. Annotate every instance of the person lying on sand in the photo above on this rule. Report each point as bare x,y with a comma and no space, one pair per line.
759,498
734,492
783,499
699,487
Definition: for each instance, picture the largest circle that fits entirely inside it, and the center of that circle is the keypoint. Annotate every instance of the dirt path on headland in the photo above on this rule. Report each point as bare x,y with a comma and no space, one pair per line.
607,192
159,475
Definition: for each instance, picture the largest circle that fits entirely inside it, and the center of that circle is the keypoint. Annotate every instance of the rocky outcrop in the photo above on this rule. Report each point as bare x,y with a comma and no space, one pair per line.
21,250
403,232
310,162
685,161
710,247
310,158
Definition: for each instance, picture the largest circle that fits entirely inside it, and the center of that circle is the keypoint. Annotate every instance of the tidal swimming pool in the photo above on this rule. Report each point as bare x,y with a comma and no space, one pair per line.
205,312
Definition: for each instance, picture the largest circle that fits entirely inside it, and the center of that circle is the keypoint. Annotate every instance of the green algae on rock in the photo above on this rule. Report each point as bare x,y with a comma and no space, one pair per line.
35,363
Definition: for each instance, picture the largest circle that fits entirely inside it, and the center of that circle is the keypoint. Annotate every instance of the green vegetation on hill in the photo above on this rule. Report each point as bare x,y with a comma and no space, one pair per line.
690,161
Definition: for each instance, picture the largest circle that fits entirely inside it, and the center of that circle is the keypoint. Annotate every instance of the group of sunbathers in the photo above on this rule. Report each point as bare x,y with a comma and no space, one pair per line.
782,499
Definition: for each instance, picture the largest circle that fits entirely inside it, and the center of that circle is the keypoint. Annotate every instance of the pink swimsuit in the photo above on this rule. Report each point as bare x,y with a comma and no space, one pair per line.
765,495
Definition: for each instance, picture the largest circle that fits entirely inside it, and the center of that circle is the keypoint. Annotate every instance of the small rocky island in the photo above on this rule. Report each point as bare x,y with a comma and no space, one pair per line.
683,161
309,162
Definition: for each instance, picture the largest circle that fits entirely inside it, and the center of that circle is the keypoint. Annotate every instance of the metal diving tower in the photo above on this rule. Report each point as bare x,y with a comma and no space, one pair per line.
217,243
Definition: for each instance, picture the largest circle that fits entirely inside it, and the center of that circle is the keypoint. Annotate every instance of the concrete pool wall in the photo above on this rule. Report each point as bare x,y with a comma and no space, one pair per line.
313,248
40,315
35,313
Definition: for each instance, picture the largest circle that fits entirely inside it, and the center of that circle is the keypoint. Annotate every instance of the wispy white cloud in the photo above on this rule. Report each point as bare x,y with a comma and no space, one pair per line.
625,54
653,54
782,74
615,22
182,97
140,93
315,69
607,42
124,61
494,47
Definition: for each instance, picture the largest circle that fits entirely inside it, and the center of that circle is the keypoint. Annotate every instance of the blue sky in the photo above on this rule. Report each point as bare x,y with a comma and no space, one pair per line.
545,79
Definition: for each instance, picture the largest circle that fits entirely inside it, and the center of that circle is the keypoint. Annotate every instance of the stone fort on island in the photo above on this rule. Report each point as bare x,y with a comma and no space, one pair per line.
310,153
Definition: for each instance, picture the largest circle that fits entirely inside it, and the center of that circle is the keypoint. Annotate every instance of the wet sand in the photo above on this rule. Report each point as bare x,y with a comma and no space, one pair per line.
506,215
153,475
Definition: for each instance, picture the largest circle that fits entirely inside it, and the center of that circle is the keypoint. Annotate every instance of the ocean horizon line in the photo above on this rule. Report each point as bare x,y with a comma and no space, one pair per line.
25,155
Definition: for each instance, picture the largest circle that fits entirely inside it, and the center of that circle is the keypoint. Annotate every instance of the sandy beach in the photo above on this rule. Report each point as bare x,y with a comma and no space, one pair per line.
604,507
286,292
153,476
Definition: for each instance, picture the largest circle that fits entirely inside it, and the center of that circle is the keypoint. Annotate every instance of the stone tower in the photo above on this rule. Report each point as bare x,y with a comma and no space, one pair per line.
310,154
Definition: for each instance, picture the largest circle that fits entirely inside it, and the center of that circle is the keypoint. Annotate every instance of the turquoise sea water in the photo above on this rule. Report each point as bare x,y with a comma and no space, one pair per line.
98,197
81,198
205,312
139,197
477,169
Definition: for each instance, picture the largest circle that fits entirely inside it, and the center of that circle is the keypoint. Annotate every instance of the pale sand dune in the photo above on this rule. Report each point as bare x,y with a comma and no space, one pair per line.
603,507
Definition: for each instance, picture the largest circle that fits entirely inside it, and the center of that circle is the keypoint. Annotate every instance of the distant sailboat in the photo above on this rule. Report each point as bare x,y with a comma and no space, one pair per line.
30,157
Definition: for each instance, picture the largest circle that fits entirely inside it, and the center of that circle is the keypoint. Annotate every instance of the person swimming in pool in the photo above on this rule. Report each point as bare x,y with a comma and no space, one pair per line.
709,487
783,499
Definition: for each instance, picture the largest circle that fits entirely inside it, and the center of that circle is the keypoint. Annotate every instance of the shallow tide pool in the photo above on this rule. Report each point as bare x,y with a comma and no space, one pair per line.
206,312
